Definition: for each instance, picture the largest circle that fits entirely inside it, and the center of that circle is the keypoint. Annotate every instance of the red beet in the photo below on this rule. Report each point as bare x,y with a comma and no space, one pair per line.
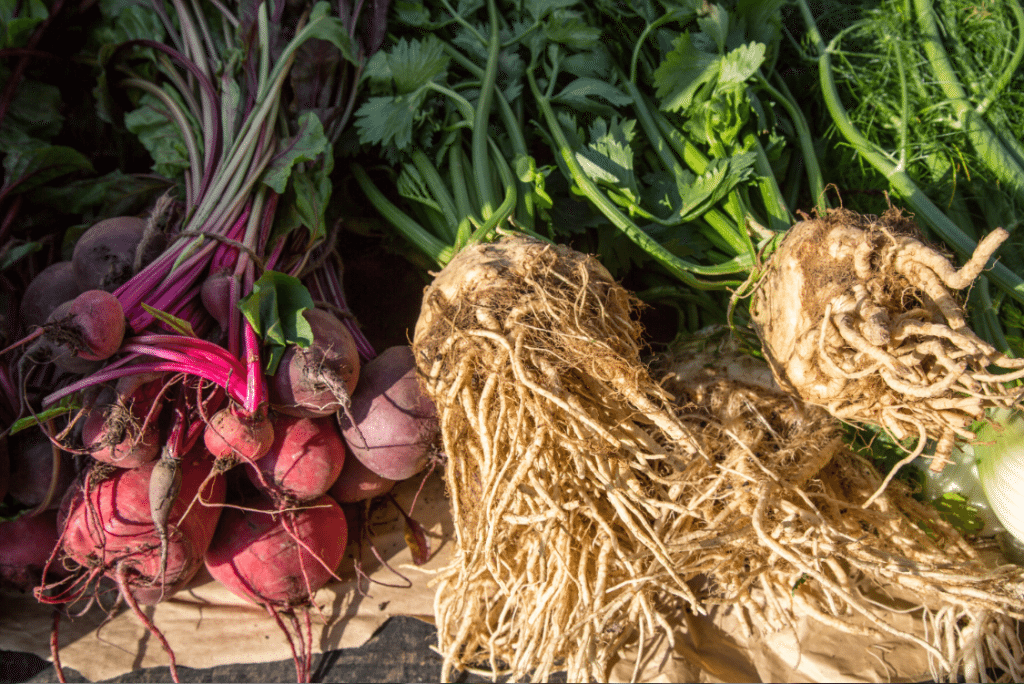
358,483
25,545
269,558
304,460
395,426
113,527
105,254
317,380
51,287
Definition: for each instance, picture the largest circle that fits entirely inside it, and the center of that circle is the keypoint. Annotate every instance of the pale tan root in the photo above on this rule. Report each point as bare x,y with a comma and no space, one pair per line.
858,315
562,459
781,498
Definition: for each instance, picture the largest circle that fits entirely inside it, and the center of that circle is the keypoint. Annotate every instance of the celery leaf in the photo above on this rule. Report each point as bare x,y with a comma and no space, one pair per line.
683,73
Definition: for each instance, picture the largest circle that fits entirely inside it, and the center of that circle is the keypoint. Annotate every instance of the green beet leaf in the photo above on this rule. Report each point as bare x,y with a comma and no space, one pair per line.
274,310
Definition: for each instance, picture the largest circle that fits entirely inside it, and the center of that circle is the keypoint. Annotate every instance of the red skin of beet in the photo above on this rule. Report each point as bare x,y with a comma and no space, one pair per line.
87,329
53,286
358,483
25,545
302,385
216,297
255,557
131,452
304,460
121,502
395,421
230,433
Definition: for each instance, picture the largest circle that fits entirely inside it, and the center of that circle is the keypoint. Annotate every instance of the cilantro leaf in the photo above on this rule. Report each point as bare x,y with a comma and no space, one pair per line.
570,29
411,64
740,64
683,73
691,74
388,119
608,159
579,94
539,9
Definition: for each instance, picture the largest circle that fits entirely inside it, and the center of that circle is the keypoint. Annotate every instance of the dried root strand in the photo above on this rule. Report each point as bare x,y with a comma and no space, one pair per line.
553,430
858,315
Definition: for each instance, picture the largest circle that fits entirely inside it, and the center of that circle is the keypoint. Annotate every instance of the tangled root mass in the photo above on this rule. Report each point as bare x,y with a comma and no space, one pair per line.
856,314
558,442
788,537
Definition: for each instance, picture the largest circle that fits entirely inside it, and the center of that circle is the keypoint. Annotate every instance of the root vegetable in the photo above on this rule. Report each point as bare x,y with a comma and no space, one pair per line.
555,436
304,459
319,379
25,546
395,422
51,287
358,483
88,328
105,253
232,434
120,435
216,296
109,525
777,507
39,473
857,315
278,558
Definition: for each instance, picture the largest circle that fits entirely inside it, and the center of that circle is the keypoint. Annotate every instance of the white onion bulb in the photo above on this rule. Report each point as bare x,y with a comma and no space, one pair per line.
961,477
1000,453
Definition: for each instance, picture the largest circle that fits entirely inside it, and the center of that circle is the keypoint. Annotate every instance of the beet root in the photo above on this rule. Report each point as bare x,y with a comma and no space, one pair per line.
51,287
277,558
358,483
304,460
109,524
36,480
318,380
26,544
230,434
395,428
105,253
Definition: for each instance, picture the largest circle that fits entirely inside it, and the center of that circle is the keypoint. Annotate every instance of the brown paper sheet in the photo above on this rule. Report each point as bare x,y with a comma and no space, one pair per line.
208,626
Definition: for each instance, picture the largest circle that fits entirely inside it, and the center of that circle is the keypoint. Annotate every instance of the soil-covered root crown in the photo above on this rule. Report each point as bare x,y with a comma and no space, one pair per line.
858,315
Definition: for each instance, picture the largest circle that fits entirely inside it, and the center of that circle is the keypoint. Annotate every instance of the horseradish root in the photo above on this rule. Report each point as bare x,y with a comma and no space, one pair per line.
857,315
